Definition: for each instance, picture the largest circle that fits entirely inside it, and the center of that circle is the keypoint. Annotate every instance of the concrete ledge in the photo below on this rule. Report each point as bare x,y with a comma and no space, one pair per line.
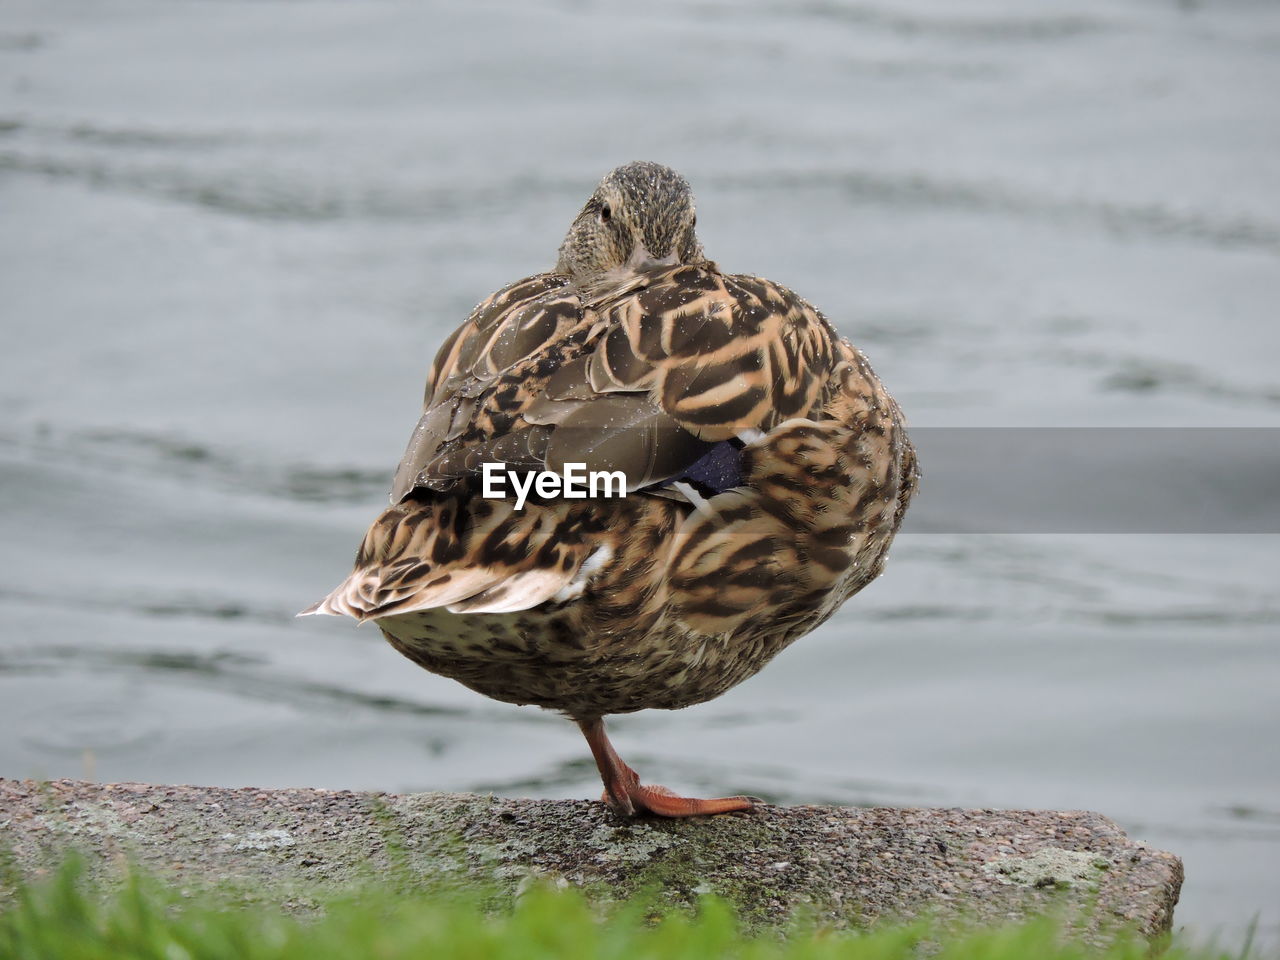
848,866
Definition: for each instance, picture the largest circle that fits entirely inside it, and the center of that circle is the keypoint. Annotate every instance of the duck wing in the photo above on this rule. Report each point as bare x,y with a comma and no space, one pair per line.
521,321
730,354
644,380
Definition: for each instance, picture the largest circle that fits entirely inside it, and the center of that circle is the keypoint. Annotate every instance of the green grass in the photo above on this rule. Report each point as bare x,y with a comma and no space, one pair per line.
63,916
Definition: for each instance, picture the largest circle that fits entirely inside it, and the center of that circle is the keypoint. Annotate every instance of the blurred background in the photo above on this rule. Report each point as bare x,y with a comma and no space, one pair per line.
233,233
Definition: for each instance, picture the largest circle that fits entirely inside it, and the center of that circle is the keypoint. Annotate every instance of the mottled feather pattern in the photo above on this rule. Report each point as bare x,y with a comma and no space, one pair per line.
646,376
685,354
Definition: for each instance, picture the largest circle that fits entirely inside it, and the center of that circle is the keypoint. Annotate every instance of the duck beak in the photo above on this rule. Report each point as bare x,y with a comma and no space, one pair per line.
633,274
641,259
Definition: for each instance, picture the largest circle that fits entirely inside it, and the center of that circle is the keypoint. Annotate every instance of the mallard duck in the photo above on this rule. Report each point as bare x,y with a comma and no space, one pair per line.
766,471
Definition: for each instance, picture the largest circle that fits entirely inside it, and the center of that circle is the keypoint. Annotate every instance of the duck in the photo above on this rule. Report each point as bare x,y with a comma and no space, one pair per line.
754,473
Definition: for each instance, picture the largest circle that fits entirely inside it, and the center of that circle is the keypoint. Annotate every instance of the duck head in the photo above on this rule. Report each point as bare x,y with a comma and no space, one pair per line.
641,215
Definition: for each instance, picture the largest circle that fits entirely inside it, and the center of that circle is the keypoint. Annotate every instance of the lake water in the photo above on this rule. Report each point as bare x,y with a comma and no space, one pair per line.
233,233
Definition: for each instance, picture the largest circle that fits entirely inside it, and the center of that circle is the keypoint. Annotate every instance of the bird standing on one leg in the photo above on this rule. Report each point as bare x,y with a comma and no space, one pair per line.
766,471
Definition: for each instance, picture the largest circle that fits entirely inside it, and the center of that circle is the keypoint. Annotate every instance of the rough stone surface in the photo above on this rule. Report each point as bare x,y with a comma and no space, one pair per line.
845,866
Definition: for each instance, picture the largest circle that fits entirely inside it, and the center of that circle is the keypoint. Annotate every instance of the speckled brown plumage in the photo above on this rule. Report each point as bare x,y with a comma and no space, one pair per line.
636,354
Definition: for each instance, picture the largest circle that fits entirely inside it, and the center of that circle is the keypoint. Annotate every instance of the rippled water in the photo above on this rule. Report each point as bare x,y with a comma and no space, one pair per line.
233,233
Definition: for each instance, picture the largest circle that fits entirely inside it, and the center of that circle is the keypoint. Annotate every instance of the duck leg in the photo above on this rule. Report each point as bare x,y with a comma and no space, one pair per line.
628,797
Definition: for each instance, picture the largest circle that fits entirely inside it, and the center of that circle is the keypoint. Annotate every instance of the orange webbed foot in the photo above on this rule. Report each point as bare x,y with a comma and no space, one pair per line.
662,802
628,797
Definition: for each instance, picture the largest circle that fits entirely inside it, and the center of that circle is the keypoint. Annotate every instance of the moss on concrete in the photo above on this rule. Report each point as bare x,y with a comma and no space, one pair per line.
839,866
1050,867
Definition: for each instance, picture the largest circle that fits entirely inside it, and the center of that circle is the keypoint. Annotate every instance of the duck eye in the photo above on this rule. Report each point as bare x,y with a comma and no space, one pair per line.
606,213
